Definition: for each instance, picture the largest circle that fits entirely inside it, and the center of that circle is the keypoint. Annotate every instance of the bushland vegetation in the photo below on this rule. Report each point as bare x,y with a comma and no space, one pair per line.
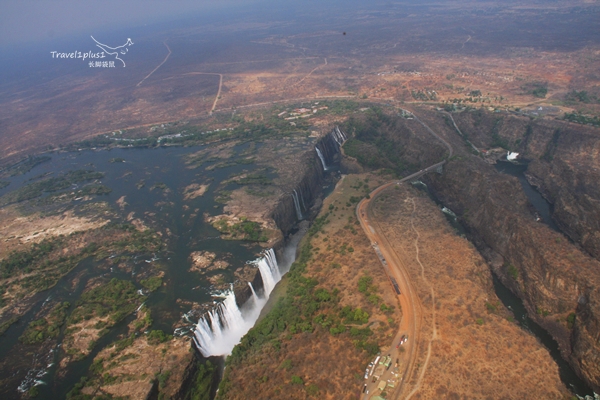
320,331
305,308
371,143
243,230
103,306
49,327
27,272
580,118
36,189
24,166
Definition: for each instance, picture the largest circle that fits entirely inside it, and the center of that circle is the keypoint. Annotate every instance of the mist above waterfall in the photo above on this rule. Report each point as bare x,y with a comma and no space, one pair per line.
220,329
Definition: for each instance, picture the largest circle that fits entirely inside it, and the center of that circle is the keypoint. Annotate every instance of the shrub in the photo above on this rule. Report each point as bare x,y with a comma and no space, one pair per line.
286,364
571,320
158,336
312,389
513,271
152,283
364,283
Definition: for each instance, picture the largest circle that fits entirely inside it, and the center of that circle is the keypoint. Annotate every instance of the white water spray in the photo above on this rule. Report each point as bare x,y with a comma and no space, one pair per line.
254,295
302,201
448,211
220,329
269,271
321,158
297,205
338,136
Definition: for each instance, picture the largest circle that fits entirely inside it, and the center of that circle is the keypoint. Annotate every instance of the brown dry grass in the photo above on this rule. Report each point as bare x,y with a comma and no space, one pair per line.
332,363
131,372
82,335
17,230
475,352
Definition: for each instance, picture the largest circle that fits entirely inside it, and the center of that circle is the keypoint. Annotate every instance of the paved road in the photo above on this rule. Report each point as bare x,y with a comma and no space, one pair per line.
394,267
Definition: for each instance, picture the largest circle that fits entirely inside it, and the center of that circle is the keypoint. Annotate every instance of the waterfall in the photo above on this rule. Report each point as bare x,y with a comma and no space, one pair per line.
254,296
335,137
297,205
302,201
220,329
338,136
322,158
269,271
255,300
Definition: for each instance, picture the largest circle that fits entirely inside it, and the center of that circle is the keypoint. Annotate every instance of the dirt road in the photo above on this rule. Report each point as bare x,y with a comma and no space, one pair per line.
409,301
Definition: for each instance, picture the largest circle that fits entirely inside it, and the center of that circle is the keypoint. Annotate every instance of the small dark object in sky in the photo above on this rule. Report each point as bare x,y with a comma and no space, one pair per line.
344,33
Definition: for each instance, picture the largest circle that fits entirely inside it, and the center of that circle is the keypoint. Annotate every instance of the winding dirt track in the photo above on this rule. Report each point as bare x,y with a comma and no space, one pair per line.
159,65
434,334
409,301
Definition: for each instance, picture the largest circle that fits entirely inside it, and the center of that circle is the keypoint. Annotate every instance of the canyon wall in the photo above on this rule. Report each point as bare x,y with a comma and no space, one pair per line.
564,165
309,188
558,280
552,276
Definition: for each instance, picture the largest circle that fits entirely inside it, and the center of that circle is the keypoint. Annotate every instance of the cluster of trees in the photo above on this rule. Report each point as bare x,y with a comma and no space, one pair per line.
39,330
117,298
21,261
582,119
424,95
243,230
152,283
582,97
536,89
256,178
27,165
372,143
201,386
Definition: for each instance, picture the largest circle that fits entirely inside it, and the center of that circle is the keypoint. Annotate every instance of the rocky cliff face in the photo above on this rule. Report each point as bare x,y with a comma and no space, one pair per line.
308,188
565,166
243,291
557,281
553,276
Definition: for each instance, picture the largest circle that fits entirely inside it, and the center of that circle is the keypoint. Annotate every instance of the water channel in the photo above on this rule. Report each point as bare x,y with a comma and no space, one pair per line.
153,182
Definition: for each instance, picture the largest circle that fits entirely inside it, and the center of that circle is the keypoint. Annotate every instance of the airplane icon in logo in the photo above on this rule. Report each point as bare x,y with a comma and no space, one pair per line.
115,51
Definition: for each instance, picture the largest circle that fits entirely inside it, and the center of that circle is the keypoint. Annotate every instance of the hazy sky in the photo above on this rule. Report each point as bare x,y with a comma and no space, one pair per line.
37,20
